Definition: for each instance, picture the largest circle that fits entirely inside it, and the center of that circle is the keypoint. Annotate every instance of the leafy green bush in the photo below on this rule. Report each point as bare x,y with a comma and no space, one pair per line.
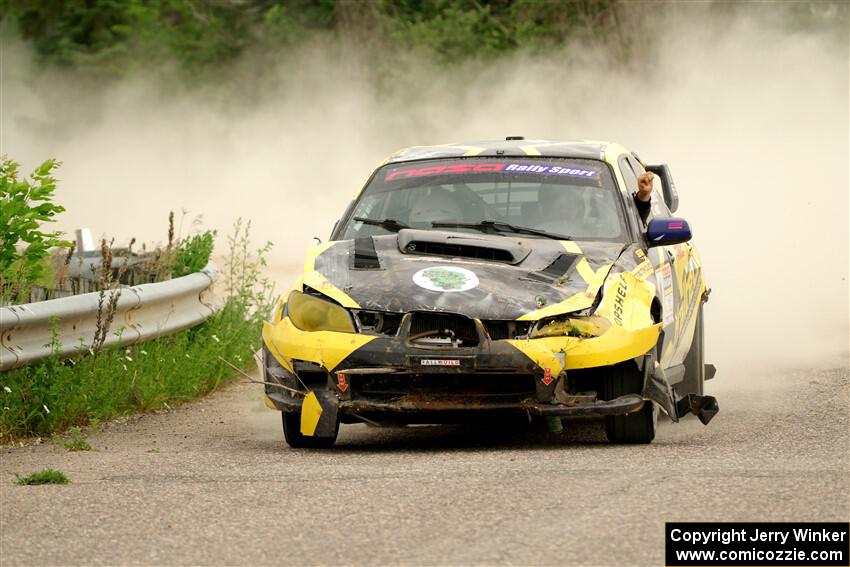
55,393
25,204
193,253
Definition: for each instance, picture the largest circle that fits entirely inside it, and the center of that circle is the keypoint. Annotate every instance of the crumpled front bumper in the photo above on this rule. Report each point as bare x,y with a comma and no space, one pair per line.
495,376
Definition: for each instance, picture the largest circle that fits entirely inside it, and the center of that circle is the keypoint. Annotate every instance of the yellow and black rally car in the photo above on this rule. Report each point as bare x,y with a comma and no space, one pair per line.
505,277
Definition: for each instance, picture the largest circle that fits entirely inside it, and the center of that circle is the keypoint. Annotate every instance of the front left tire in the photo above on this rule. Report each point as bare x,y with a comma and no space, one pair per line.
297,440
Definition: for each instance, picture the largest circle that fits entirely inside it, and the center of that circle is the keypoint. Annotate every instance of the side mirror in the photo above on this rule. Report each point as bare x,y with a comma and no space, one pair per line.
667,231
668,188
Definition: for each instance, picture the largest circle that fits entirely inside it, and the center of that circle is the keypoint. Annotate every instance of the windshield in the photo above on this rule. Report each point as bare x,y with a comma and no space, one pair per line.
568,198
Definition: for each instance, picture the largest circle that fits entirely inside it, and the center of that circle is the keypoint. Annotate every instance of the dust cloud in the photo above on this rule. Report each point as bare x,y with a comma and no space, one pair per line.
750,111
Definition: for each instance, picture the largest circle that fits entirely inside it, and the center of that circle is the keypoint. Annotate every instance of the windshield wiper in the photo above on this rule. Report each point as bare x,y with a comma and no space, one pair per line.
387,224
498,226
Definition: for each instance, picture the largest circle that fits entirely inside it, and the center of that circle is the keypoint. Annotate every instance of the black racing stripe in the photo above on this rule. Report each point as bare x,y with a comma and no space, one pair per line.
365,255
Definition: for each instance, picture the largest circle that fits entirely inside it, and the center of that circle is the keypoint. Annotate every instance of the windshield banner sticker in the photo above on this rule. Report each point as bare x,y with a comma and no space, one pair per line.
549,170
445,278
534,168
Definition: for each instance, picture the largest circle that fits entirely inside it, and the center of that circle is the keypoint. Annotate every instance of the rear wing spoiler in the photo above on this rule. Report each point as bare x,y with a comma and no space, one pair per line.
668,188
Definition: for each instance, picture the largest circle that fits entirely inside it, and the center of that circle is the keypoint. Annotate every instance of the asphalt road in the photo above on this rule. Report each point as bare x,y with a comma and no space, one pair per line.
212,482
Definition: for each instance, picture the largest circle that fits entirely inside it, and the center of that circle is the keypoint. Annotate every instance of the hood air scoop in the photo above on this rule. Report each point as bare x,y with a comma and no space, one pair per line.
457,245
365,255
557,269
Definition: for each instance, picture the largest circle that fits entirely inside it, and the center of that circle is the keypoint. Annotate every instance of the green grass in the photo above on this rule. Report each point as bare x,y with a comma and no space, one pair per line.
57,393
78,441
78,445
46,476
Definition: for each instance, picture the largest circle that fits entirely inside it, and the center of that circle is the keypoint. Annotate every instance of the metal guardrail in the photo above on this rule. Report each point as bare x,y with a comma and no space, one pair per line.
143,312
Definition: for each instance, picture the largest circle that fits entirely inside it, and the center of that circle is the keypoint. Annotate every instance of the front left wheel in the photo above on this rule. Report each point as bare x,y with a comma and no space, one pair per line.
297,440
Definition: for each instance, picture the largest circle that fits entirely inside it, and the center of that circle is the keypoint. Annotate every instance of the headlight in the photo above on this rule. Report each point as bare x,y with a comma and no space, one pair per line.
567,326
310,313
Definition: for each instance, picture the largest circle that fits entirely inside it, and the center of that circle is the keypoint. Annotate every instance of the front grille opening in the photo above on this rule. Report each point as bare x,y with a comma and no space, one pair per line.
514,387
442,330
459,251
311,374
587,380
378,322
310,379
499,330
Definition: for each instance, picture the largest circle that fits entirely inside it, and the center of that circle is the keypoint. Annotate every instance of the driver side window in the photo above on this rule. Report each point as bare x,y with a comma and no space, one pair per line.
630,177
658,207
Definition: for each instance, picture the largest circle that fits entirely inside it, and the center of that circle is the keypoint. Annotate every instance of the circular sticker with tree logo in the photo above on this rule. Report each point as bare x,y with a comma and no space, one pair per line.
445,278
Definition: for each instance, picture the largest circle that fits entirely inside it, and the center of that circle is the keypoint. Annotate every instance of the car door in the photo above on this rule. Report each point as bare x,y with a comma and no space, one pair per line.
676,273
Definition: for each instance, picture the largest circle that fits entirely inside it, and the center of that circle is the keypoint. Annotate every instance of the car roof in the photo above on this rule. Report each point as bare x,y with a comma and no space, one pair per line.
511,146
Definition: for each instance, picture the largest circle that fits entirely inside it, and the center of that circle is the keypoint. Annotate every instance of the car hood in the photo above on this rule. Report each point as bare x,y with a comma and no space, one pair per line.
481,276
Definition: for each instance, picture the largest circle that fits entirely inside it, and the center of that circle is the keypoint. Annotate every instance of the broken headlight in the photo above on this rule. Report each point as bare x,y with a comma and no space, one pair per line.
570,326
310,313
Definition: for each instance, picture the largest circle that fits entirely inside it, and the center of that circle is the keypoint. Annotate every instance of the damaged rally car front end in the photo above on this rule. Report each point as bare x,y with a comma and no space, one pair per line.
509,277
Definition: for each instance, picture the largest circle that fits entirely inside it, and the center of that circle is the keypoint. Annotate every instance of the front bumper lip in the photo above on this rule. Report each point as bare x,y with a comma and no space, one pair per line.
439,404
618,406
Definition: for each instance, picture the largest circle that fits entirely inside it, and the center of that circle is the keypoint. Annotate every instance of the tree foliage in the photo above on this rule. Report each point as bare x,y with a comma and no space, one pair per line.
109,34
113,36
